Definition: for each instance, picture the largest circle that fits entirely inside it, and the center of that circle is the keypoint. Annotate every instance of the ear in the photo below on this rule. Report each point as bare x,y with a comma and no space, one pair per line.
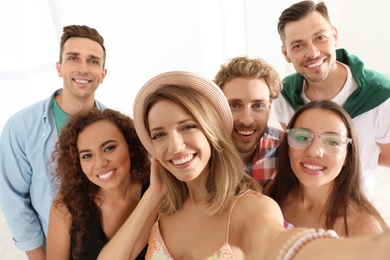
59,67
104,74
284,51
335,34
270,108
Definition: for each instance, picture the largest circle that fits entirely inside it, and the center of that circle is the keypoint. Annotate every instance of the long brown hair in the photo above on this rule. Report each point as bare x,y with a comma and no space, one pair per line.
347,186
226,177
77,192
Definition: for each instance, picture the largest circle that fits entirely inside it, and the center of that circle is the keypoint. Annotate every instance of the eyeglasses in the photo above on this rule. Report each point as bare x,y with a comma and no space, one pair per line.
332,143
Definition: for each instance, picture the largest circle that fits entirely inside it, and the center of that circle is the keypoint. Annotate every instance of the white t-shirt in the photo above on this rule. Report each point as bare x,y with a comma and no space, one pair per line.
372,127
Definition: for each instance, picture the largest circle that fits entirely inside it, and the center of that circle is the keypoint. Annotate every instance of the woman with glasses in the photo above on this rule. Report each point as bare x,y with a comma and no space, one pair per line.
318,184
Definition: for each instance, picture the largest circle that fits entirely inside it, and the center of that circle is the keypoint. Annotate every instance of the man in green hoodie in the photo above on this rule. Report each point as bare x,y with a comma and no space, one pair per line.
324,72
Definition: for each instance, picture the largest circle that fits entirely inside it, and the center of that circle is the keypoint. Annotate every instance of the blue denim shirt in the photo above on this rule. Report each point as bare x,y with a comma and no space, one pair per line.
26,187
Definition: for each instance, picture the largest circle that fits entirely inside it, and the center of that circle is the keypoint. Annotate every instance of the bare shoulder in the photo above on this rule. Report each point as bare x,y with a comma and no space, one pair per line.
258,205
256,220
363,224
59,208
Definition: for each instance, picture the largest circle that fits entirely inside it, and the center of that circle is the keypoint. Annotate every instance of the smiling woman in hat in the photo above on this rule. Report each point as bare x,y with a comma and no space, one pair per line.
207,207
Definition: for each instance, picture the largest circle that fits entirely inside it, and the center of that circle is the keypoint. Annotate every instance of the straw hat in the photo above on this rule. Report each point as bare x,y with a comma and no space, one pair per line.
181,78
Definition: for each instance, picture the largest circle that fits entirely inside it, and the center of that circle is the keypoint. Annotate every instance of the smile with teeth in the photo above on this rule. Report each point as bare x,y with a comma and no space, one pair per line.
183,160
81,81
106,175
313,167
315,64
247,132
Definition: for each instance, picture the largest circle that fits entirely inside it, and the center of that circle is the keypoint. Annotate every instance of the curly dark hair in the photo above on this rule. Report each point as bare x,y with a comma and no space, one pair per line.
77,192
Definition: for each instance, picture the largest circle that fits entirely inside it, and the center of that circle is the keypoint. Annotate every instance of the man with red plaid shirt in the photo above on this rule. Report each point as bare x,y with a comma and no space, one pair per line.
250,86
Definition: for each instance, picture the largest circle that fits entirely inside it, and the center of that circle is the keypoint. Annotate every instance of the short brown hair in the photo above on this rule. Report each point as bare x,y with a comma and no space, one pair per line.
298,11
81,31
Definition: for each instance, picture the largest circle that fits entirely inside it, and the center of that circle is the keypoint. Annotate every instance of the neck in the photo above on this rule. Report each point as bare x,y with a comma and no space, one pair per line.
197,190
329,87
72,106
247,157
314,197
121,193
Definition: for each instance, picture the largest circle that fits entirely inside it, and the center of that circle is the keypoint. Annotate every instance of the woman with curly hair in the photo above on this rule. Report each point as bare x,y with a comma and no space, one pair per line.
102,172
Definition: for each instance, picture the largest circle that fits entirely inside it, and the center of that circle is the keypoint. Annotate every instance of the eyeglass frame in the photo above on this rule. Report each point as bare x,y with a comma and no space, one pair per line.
348,140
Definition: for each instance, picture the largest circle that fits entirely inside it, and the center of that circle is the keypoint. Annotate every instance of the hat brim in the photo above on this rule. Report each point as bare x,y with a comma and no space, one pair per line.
186,79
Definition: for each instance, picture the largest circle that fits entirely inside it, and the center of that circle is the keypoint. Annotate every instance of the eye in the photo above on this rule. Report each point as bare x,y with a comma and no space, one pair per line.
109,148
156,136
72,58
258,106
192,126
234,106
332,142
302,138
322,38
85,156
296,46
95,62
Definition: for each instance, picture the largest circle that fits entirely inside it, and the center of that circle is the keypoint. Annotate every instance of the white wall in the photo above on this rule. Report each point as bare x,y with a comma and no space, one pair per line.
144,38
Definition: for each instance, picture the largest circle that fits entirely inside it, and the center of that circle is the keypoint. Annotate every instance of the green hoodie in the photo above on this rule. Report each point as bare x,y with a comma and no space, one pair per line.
373,88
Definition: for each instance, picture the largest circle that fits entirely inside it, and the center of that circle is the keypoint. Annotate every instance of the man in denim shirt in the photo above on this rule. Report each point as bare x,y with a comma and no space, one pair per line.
29,136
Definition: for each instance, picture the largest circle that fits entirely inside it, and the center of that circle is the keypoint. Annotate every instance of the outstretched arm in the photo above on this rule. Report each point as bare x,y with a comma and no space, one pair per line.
264,227
133,235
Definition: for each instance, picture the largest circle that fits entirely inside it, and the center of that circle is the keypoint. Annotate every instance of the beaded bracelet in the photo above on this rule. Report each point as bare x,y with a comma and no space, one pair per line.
296,242
292,240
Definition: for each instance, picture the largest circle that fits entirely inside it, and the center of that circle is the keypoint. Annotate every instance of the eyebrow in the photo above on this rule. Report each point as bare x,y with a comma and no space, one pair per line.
178,123
91,56
102,145
326,132
315,34
252,101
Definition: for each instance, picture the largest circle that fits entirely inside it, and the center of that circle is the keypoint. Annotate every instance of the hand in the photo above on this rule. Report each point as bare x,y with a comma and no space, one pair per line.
156,184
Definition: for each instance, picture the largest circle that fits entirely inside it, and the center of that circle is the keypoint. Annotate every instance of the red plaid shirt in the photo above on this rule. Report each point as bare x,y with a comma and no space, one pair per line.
265,160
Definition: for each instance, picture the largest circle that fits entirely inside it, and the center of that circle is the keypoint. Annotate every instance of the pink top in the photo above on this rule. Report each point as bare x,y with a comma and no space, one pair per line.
158,250
287,225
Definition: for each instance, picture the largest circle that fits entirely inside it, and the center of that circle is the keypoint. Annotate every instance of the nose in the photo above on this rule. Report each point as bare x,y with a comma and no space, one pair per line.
245,117
101,161
83,67
176,143
312,52
315,148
